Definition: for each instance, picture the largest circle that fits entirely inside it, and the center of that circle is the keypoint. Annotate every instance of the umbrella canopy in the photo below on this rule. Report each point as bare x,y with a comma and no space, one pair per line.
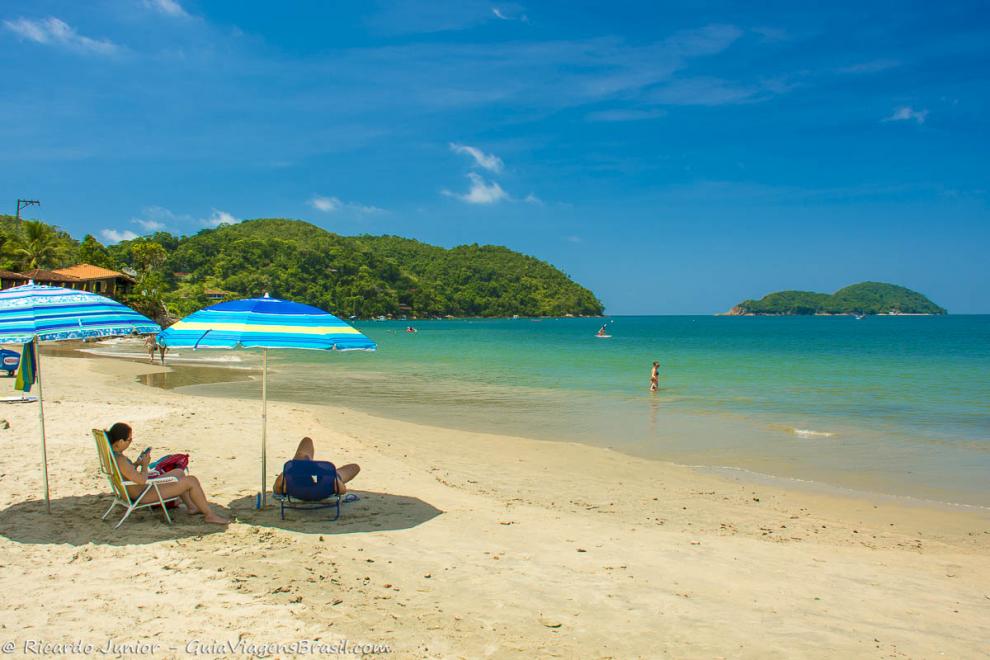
264,323
52,313
33,313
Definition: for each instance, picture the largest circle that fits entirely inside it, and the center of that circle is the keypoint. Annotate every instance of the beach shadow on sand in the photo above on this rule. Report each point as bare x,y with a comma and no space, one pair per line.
374,512
76,521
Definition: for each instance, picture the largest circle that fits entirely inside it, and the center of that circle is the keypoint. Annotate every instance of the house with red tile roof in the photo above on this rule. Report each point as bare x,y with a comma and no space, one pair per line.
96,279
84,277
50,278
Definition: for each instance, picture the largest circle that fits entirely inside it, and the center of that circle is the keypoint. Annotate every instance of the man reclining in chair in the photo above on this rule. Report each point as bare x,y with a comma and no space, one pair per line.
306,452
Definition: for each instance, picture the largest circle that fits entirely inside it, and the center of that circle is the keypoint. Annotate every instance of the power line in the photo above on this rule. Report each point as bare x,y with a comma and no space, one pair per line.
23,204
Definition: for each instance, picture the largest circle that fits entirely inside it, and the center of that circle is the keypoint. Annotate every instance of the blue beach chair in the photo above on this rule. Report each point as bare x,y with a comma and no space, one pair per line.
310,485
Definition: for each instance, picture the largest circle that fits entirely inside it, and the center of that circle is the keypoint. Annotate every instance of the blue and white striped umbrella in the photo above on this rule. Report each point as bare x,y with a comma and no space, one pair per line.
52,313
33,313
264,323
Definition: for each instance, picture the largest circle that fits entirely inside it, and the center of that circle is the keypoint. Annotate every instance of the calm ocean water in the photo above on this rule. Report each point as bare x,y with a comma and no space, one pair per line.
897,405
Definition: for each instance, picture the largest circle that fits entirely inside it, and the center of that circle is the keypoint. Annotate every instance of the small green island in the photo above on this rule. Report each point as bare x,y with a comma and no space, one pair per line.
865,298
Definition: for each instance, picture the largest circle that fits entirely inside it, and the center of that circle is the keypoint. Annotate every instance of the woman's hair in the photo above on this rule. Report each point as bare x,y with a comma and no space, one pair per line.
119,431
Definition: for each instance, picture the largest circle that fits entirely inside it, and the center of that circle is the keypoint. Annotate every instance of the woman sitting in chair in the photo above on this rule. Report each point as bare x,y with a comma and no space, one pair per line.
306,452
187,487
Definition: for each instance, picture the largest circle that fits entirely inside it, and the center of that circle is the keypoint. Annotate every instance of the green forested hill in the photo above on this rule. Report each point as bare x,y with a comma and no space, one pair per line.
862,298
363,276
375,275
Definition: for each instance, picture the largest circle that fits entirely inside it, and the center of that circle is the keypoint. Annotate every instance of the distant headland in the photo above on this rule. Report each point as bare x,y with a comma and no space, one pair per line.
864,298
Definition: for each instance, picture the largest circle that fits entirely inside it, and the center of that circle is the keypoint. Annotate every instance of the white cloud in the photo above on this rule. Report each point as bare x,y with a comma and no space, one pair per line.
334,204
490,162
219,217
573,239
411,16
326,204
115,236
509,13
710,91
159,218
53,31
624,115
533,199
149,225
365,209
907,113
481,192
169,7
873,66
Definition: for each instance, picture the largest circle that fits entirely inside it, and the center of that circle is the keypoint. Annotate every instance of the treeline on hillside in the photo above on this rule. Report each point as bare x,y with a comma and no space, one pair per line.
862,298
363,276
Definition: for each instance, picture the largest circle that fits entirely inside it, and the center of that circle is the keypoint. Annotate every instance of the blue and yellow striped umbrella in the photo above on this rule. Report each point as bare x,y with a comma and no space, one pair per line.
33,313
264,323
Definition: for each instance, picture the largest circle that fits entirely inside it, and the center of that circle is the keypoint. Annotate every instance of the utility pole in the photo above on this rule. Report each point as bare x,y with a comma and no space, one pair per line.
23,204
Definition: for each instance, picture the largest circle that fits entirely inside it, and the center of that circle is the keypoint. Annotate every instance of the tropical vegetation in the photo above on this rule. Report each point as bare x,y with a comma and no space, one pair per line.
361,276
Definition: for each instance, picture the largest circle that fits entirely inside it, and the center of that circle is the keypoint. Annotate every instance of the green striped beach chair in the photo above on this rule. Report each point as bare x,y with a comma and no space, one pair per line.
118,487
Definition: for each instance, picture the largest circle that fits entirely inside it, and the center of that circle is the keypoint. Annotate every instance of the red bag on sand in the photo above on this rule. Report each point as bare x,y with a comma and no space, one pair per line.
171,462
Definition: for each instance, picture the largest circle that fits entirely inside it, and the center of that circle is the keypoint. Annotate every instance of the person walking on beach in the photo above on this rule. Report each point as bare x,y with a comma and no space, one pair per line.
151,345
655,377
162,349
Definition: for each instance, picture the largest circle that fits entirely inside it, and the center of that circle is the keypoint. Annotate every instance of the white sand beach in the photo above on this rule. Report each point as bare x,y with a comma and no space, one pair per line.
462,545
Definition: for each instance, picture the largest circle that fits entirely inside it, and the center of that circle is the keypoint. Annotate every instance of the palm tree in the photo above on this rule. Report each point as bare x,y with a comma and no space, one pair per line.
37,246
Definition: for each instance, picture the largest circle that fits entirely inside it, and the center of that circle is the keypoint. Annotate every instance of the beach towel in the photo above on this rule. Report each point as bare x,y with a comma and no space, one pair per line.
27,370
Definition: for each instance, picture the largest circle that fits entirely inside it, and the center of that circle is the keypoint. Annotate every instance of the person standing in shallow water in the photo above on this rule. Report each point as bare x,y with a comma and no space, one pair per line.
655,377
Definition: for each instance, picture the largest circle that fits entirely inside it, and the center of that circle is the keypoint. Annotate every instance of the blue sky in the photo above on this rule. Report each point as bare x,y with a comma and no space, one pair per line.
673,157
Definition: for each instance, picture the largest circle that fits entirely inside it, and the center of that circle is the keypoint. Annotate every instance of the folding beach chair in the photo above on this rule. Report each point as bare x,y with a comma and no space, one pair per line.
118,487
310,485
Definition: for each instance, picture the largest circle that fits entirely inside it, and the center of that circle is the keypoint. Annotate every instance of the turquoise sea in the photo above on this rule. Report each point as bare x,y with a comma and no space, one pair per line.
894,405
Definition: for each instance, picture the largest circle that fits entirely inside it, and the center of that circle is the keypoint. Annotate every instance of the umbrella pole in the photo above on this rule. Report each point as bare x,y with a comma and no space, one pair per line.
264,426
41,418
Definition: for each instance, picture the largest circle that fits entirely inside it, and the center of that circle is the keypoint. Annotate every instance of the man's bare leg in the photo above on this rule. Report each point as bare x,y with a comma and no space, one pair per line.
305,451
344,474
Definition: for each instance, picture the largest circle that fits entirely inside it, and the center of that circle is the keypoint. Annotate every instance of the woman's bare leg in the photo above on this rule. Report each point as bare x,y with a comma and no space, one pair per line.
178,473
188,484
